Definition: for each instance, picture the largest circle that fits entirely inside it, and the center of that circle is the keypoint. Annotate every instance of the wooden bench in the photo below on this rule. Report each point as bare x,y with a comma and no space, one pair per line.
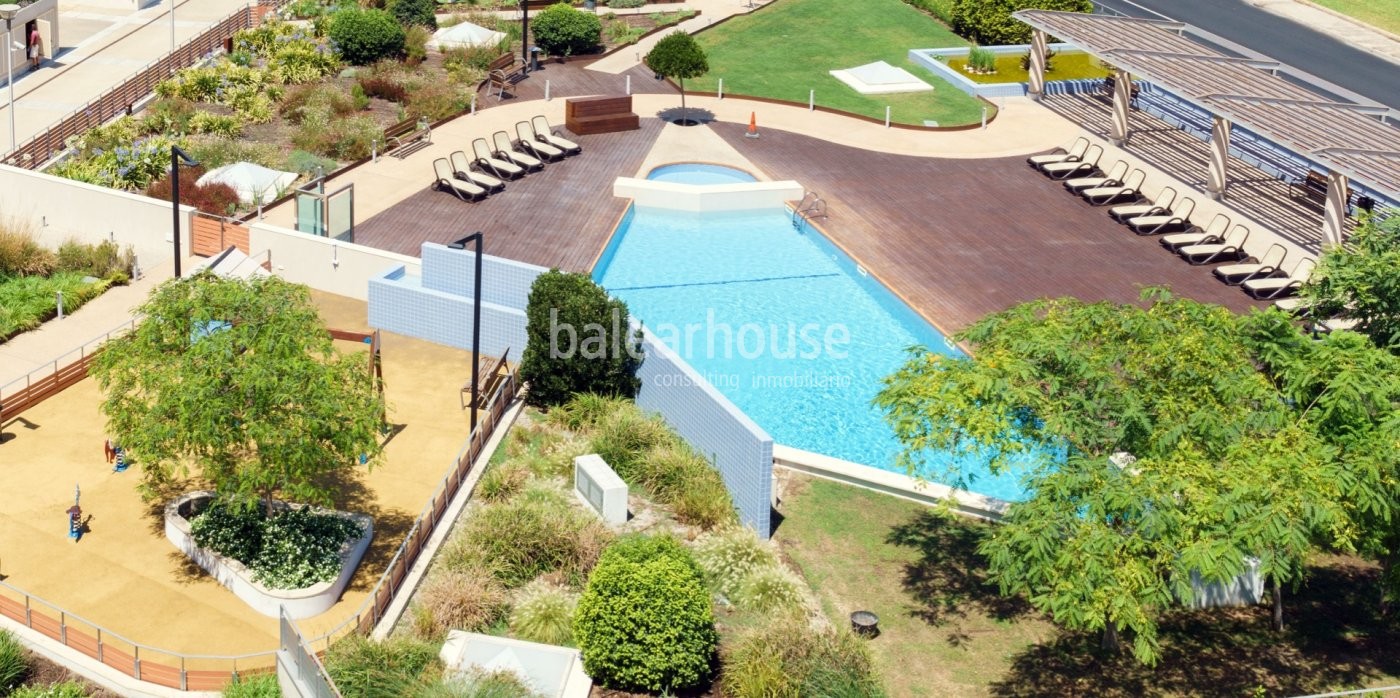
406,137
585,115
1110,84
503,73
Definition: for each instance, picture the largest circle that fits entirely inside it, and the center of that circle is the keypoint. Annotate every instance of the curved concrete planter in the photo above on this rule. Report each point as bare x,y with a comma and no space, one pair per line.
300,603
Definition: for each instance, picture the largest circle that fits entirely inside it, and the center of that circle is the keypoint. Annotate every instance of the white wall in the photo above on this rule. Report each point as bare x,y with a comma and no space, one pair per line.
707,197
322,263
58,209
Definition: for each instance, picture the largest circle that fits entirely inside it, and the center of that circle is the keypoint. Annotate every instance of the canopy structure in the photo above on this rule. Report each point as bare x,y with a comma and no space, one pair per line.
881,78
1351,141
465,35
254,183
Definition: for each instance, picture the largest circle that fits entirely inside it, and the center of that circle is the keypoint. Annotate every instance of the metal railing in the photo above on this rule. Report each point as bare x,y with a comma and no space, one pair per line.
31,389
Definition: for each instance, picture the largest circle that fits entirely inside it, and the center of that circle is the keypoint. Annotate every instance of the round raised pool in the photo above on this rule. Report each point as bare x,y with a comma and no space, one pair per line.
700,173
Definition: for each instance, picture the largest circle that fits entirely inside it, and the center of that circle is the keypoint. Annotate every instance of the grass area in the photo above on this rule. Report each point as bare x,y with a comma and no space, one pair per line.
27,301
920,573
787,49
1377,13
1067,66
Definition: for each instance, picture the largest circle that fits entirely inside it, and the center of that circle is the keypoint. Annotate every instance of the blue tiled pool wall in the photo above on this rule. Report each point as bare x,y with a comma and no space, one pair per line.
438,307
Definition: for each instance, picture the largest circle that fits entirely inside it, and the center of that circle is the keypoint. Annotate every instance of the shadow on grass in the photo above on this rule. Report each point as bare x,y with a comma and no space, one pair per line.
950,578
1335,638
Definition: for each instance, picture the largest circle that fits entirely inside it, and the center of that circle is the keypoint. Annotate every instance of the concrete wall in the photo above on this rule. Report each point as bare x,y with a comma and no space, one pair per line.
935,60
58,209
322,263
398,302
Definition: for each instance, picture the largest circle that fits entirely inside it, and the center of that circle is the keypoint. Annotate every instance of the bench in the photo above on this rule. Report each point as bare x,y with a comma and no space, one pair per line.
1110,84
406,137
586,115
1312,188
503,72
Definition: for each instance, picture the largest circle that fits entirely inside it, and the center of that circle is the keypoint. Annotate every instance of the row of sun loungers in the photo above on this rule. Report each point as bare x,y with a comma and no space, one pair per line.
492,163
1169,216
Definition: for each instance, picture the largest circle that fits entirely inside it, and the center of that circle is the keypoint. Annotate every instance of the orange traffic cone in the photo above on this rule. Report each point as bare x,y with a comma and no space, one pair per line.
753,126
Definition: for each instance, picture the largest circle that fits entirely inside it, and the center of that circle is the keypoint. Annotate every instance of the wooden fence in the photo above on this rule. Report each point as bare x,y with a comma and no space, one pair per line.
120,99
52,378
211,235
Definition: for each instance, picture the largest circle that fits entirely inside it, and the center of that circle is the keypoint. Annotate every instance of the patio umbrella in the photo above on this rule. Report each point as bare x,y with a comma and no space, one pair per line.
252,182
465,35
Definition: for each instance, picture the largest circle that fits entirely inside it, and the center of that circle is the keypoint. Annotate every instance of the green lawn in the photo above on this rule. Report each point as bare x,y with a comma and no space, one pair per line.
945,631
787,49
27,301
1377,13
1069,66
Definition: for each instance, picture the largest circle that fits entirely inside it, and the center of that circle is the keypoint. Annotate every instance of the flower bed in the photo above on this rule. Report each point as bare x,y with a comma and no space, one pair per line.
31,276
305,602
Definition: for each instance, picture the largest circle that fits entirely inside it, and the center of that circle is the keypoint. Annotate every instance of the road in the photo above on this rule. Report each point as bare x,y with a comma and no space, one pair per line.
1281,39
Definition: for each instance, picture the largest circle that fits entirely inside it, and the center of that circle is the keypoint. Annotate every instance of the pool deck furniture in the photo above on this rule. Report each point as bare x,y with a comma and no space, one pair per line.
1213,232
506,150
1179,218
1160,203
407,137
1071,154
1231,249
462,168
586,115
1114,177
1268,265
487,160
1312,189
1269,289
1077,168
544,132
526,140
447,181
503,73
1128,189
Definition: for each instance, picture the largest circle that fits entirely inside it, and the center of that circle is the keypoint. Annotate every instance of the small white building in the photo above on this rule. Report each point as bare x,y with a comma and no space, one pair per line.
35,14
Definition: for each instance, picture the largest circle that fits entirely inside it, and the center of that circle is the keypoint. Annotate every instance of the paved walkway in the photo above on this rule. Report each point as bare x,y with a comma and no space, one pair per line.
1335,25
101,44
711,11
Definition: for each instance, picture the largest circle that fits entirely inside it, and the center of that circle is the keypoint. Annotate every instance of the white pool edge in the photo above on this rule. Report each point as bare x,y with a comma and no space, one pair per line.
885,482
697,198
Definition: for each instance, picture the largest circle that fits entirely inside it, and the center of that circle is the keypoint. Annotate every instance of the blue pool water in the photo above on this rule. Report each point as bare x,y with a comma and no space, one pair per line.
781,322
699,173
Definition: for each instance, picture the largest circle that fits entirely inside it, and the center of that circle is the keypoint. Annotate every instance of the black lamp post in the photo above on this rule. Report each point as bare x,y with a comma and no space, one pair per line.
525,33
476,316
177,158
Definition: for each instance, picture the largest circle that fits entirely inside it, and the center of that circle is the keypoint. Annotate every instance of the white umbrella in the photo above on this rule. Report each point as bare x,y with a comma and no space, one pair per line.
465,35
252,182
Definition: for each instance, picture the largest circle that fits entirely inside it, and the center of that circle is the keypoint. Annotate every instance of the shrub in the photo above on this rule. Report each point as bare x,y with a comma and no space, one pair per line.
212,152
705,500
562,30
291,550
305,163
729,555
360,666
477,683
770,588
415,13
347,138
168,115
627,437
14,663
502,482
27,301
786,657
66,689
645,625
461,599
21,254
524,539
982,60
436,101
259,686
625,4
572,306
415,44
544,612
384,88
104,260
301,62
989,22
640,548
363,36
585,411
222,125
358,99
619,31
216,198
321,101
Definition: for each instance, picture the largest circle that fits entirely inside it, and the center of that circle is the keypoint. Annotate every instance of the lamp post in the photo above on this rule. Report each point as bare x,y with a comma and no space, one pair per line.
476,317
177,158
172,27
525,33
7,12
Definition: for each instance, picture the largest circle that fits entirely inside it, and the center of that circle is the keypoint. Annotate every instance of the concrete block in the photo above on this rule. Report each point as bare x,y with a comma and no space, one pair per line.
598,486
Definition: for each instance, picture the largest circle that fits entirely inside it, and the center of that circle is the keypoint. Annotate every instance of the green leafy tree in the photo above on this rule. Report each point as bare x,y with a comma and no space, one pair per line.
1154,446
363,36
411,13
578,341
236,381
989,22
563,30
1360,281
677,55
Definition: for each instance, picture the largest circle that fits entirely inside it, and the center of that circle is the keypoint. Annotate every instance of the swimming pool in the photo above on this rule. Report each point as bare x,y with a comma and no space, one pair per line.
781,322
699,173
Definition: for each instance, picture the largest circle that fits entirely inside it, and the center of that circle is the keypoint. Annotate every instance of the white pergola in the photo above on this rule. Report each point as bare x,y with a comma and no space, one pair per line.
1352,141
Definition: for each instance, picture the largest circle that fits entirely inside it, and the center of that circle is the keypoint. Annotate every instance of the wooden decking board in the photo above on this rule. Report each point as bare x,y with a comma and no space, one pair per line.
962,238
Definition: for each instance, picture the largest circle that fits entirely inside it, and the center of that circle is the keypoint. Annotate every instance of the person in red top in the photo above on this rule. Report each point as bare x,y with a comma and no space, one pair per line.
36,48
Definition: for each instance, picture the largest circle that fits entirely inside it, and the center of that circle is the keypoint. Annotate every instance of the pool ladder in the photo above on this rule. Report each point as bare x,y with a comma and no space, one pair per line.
811,206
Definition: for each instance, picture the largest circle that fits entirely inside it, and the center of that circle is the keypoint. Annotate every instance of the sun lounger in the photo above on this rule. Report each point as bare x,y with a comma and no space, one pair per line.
1113,178
1228,250
552,137
1215,232
1278,287
447,180
1292,304
487,160
527,141
1159,204
505,150
1128,189
1267,266
1179,218
1074,153
462,168
1065,170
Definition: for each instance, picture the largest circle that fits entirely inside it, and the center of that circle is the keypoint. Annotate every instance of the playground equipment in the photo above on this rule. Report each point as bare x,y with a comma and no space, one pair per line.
376,360
75,516
488,375
116,456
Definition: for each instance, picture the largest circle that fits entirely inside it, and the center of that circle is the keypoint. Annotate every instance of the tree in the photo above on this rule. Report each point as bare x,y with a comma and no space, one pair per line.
578,341
410,13
677,55
236,381
563,30
989,22
363,36
1361,282
1157,449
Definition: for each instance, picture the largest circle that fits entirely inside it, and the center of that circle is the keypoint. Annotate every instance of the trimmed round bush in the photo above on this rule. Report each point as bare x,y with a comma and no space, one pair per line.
562,30
411,13
363,36
544,612
645,625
